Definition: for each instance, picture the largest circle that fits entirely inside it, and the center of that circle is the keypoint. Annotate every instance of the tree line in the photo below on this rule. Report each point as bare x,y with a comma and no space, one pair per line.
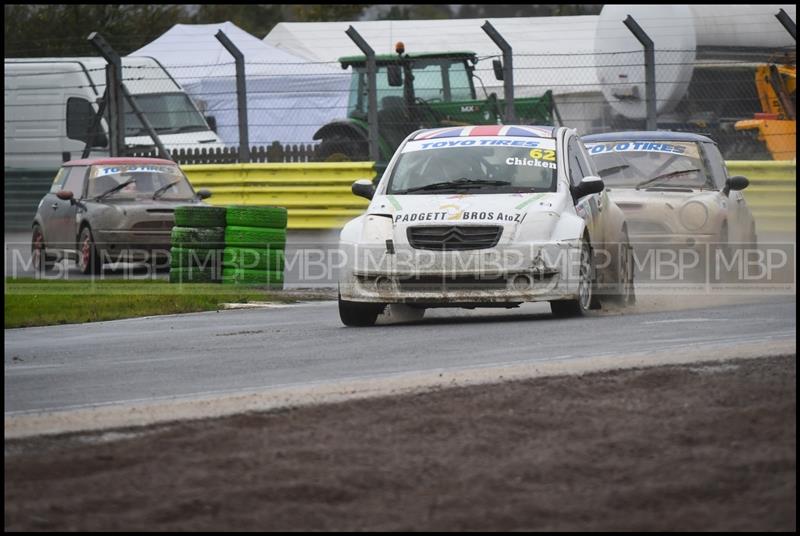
61,30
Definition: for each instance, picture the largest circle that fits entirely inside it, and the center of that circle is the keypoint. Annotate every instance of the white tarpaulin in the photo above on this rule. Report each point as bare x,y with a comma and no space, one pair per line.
288,97
552,53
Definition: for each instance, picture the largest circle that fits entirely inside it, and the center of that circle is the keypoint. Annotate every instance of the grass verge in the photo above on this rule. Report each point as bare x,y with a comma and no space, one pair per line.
32,302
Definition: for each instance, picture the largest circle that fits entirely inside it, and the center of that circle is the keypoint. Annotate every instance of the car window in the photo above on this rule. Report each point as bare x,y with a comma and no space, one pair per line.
59,179
510,163
586,160
716,164
144,181
628,164
576,163
74,182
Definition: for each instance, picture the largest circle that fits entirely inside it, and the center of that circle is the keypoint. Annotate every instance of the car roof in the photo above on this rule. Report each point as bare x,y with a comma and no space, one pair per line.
118,160
646,135
530,131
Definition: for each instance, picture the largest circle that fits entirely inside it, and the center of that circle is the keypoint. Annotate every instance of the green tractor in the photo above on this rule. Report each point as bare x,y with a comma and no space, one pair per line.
425,90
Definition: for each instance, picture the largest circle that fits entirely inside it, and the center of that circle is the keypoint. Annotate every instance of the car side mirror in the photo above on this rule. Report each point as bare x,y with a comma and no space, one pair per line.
497,65
203,193
363,188
736,183
589,185
212,122
65,195
394,74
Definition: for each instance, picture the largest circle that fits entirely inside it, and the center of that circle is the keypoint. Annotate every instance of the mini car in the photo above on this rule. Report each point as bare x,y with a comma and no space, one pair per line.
485,216
105,210
674,189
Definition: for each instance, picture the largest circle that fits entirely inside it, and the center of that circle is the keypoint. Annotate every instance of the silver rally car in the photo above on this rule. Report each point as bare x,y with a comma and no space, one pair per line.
485,216
674,189
104,210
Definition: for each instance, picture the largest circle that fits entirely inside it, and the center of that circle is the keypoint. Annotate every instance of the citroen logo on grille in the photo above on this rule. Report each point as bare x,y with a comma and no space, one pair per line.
453,234
454,237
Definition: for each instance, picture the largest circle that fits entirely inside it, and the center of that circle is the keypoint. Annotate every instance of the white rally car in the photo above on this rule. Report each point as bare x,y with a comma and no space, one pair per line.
674,189
485,216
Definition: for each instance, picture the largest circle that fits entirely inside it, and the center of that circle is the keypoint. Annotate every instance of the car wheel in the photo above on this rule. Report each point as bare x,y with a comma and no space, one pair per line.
358,314
721,257
753,242
88,259
586,297
39,260
625,292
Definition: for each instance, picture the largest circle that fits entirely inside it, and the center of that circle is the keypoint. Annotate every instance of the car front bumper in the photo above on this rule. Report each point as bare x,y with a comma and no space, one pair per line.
463,278
133,245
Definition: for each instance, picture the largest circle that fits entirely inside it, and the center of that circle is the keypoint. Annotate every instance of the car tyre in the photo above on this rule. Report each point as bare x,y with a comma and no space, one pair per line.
88,259
586,286
357,314
342,148
625,291
721,252
39,259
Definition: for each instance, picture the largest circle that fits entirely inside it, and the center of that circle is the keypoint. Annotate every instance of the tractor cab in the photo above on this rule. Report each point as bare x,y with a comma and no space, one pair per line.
414,91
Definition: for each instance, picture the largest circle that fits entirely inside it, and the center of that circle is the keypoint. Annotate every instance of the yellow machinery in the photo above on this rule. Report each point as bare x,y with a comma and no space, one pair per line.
776,125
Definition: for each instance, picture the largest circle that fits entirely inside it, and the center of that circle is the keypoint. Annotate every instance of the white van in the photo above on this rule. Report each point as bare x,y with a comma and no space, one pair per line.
50,103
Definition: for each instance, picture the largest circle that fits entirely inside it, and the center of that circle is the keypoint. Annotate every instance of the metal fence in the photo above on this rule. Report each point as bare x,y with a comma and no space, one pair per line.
321,112
602,92
593,92
353,110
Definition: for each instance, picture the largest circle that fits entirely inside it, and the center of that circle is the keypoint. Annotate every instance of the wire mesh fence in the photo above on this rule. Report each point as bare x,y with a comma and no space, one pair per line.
319,110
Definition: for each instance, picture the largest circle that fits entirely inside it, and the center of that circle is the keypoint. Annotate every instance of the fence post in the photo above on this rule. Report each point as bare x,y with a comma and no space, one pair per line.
95,126
508,70
162,151
372,90
649,69
787,22
116,110
241,95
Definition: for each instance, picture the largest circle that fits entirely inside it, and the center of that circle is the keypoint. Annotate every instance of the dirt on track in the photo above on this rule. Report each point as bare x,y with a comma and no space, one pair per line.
704,447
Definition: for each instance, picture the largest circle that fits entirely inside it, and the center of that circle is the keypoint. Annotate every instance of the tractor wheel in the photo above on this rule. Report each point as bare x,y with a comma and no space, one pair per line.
342,149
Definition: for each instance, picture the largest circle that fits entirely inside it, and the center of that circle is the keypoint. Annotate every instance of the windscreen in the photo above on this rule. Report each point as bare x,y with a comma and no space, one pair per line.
650,164
140,182
481,165
168,113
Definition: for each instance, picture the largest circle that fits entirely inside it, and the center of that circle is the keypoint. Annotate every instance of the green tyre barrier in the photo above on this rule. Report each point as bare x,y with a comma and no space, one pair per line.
268,217
200,216
254,237
254,259
194,275
236,276
195,258
198,237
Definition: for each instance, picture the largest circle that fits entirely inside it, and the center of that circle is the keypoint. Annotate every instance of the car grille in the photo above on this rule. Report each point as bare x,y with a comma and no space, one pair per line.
163,225
647,228
454,237
440,283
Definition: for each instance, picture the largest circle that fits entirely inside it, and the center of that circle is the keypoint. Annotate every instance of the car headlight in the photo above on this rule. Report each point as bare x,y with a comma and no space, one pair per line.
694,215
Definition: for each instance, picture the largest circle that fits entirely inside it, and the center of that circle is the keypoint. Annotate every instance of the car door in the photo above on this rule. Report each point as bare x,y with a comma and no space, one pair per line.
739,216
51,211
60,229
589,207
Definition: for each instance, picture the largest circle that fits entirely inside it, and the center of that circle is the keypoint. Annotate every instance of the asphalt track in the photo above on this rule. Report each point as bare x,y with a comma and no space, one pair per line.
130,361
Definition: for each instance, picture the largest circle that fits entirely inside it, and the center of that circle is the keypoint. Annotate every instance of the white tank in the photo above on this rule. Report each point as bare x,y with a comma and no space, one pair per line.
742,25
620,62
677,31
